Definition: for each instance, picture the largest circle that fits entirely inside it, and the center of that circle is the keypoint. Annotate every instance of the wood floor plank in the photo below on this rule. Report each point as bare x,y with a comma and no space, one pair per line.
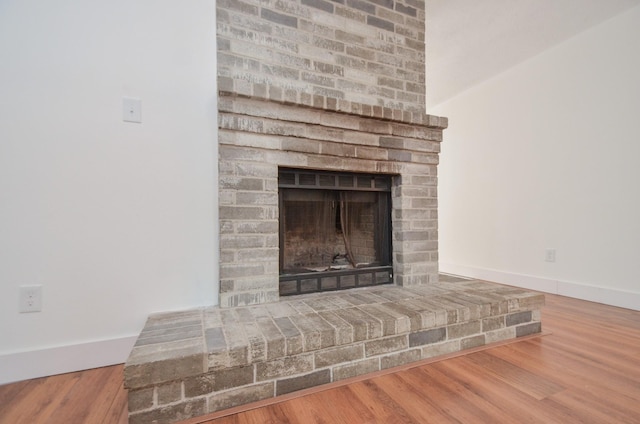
601,373
303,410
114,410
595,406
503,396
80,401
618,340
415,403
230,419
380,404
539,359
486,411
42,399
256,416
8,392
345,407
437,387
521,379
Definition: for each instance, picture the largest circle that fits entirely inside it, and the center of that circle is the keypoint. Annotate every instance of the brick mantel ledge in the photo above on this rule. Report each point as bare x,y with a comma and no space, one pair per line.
330,104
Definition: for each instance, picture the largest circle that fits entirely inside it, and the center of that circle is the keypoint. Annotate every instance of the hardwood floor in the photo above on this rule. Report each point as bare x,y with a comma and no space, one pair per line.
586,371
93,396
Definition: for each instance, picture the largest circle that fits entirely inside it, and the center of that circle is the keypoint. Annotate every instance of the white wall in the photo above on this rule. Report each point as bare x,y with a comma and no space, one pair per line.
546,155
115,220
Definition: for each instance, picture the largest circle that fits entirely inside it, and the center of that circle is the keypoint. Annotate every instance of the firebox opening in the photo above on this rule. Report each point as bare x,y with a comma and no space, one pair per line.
335,230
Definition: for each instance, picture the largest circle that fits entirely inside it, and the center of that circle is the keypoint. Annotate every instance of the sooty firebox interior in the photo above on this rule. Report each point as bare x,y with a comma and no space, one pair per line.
335,230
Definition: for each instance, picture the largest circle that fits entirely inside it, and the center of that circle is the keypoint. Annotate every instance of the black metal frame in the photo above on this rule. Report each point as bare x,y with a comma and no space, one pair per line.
320,277
337,181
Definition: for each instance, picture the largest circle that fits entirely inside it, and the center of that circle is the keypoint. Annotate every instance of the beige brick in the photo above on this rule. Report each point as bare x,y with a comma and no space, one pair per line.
218,380
386,345
400,358
500,335
164,362
341,372
471,342
493,323
462,330
343,330
141,399
284,367
170,392
300,145
338,355
431,351
240,396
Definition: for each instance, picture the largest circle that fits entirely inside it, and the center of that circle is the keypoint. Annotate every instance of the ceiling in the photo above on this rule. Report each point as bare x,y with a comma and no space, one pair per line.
469,41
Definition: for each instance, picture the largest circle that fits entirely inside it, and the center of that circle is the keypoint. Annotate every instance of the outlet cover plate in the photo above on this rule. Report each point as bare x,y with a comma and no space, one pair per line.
30,299
550,255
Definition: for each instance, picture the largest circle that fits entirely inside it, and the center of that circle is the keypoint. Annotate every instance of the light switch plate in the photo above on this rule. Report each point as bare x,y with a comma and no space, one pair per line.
131,110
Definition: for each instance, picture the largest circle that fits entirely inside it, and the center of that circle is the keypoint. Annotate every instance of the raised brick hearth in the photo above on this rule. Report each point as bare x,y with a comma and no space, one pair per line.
200,361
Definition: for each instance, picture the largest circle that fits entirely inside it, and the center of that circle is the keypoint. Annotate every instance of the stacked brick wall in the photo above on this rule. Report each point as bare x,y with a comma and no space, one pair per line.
364,51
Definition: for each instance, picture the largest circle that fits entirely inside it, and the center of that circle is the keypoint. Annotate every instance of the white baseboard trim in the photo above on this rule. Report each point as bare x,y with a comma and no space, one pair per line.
59,360
605,295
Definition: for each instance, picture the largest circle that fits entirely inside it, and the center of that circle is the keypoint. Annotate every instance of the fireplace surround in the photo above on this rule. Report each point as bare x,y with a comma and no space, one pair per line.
258,137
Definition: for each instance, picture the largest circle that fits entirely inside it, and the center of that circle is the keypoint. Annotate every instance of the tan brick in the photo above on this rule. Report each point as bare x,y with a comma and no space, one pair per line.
400,358
471,342
386,345
500,335
341,372
338,355
293,337
218,380
141,399
431,351
170,392
343,330
493,323
461,330
159,363
284,367
241,396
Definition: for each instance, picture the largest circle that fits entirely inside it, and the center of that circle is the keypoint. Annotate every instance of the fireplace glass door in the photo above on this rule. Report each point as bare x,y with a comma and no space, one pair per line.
334,231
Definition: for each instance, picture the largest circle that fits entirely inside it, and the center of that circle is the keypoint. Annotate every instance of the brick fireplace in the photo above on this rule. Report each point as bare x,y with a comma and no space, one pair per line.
325,88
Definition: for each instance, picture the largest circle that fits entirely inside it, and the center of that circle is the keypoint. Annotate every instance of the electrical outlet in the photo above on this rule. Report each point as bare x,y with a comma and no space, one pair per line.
550,255
30,299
